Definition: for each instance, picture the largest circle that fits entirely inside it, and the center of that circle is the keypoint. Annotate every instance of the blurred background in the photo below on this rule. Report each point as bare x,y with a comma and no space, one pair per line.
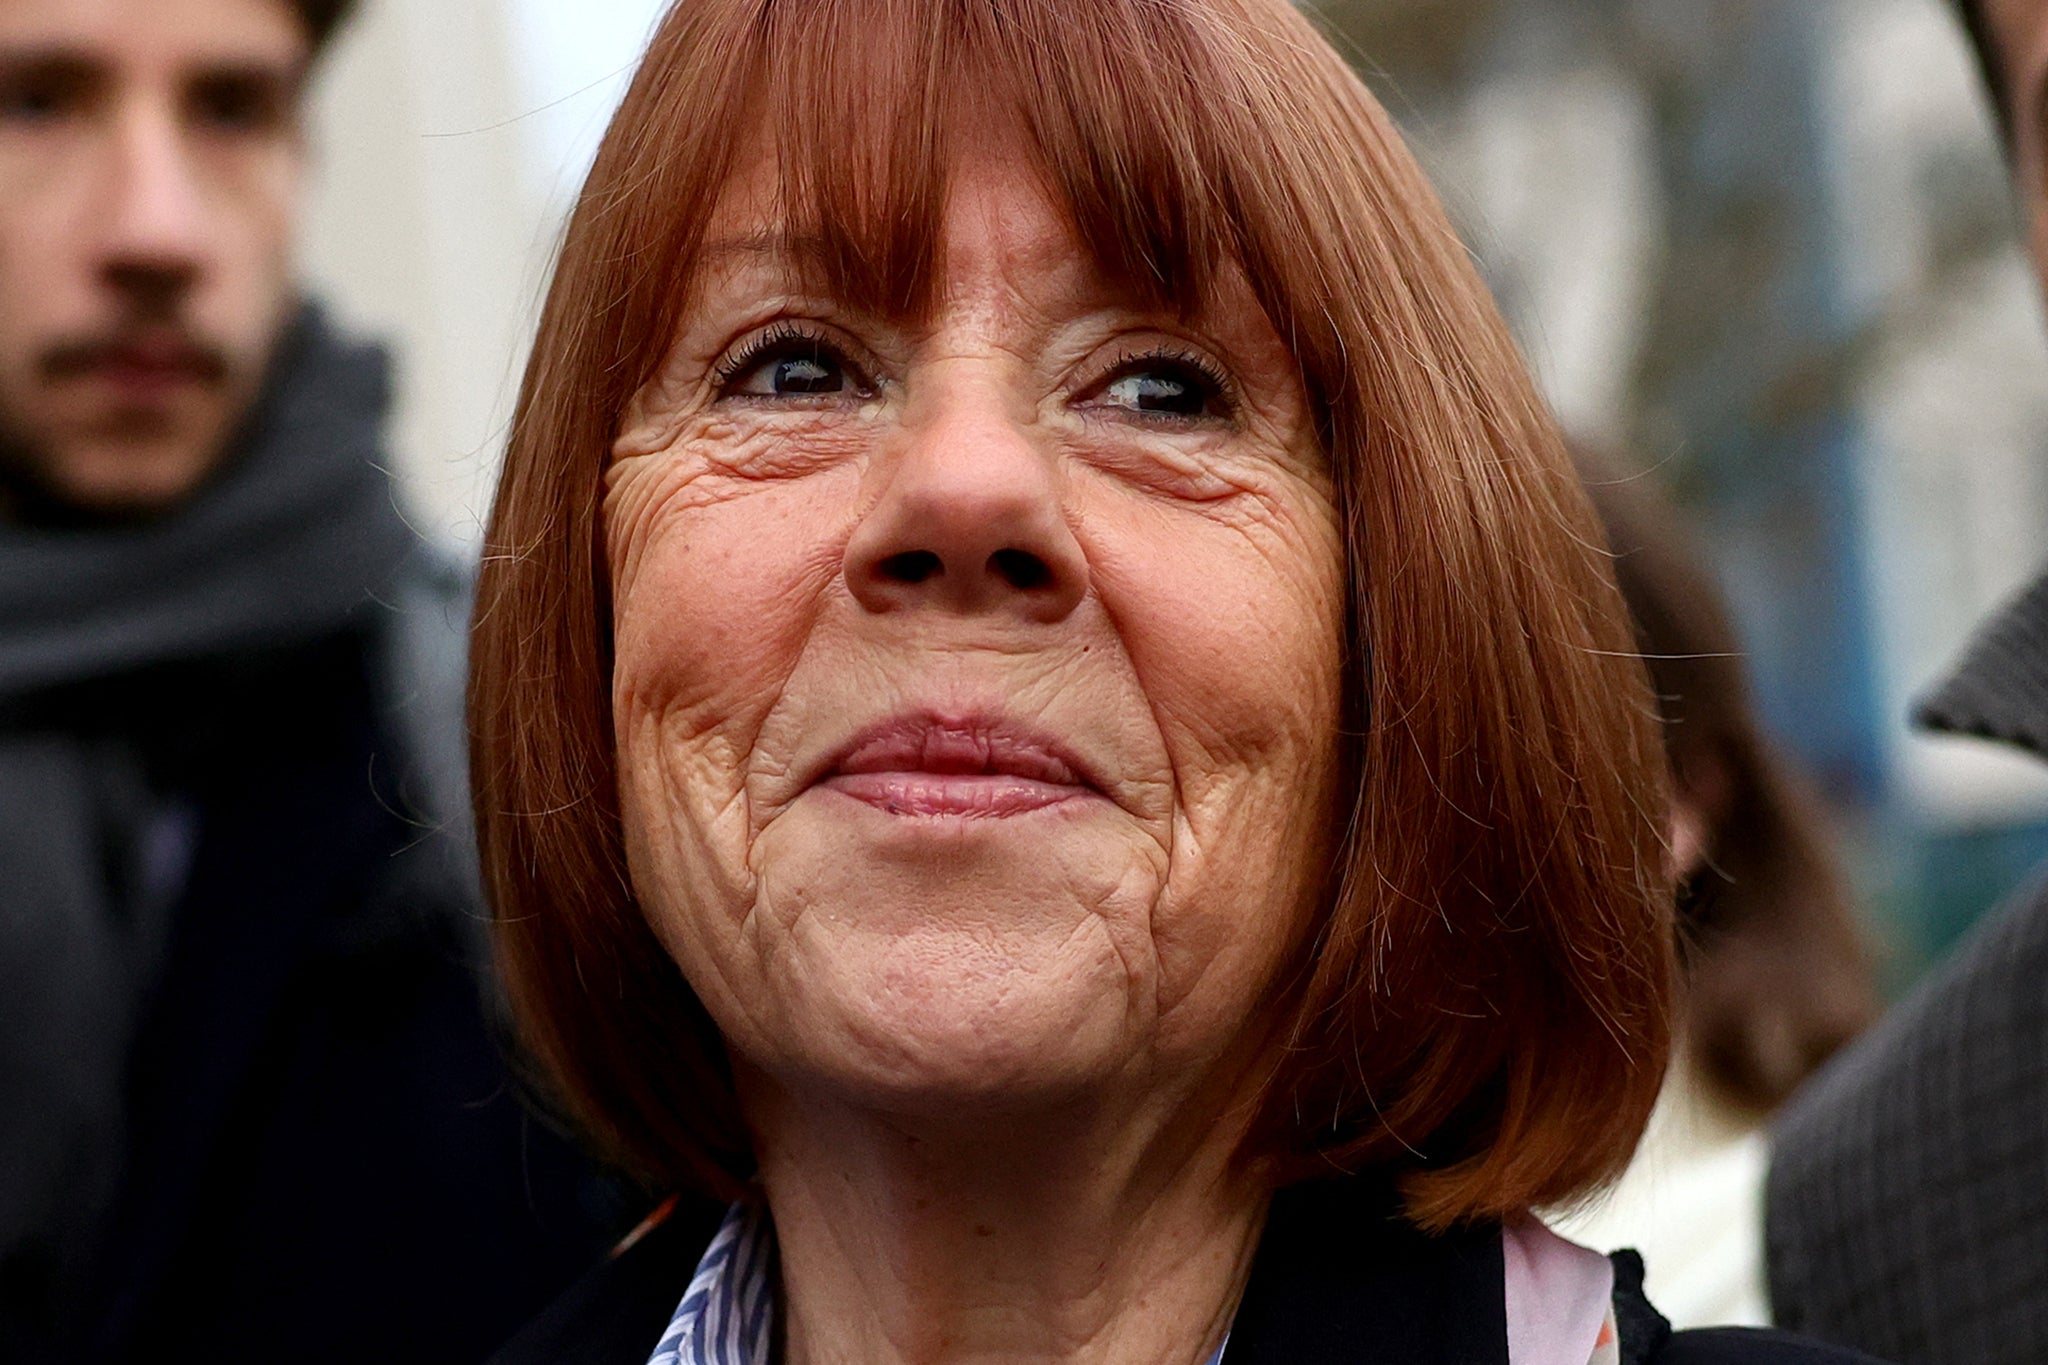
1762,249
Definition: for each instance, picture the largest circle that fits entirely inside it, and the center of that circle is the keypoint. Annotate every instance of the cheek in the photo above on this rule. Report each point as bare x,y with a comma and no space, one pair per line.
714,594
27,282
256,196
279,195
1235,628
45,282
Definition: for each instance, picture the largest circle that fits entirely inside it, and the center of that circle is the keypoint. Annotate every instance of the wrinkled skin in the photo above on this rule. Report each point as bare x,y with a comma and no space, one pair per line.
979,520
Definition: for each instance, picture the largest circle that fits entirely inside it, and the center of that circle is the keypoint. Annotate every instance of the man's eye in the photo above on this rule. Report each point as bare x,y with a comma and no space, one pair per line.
32,97
1162,386
240,103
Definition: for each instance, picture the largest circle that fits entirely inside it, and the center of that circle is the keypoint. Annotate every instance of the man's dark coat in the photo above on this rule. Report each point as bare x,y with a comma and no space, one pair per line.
1907,1207
252,1106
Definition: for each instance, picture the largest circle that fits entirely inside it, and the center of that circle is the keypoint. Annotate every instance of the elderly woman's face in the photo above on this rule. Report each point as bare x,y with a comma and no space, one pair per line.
976,680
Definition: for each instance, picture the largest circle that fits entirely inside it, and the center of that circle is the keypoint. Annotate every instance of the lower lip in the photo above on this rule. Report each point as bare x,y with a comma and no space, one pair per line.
143,381
982,795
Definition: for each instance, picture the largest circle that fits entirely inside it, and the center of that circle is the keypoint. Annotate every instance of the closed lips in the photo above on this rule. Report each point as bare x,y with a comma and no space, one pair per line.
153,356
923,767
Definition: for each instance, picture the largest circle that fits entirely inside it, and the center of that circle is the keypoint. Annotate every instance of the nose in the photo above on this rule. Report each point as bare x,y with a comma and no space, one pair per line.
970,521
153,232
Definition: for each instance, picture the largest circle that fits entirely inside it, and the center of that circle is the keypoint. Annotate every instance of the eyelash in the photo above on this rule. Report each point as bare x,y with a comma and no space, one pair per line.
1211,374
780,334
766,342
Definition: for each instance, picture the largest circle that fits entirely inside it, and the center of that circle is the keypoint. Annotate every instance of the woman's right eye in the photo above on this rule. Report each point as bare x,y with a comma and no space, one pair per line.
788,365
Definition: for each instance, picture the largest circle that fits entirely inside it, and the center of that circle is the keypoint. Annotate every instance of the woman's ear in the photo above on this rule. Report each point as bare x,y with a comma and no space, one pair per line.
1691,834
1702,794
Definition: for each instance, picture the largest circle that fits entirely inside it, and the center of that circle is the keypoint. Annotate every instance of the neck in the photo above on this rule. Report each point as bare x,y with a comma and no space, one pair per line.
1068,1239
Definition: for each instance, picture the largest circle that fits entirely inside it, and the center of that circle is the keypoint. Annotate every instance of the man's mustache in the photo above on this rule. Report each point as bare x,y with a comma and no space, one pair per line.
167,348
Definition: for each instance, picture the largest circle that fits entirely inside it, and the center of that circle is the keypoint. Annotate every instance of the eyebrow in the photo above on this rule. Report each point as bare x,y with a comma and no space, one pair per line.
287,74
81,66
69,65
802,248
279,81
807,262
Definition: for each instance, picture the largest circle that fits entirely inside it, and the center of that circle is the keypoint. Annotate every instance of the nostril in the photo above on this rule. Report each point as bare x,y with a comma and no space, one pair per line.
151,284
1020,569
912,566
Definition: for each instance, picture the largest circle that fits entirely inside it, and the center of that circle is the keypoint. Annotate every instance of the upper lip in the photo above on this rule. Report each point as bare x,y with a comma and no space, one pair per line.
964,745
163,350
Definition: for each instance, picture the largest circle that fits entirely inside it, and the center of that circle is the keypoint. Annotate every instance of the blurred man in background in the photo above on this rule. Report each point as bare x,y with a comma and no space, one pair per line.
1908,1199
250,1104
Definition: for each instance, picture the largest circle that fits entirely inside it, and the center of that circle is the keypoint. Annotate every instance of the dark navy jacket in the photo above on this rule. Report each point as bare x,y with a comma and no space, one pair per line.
1337,1281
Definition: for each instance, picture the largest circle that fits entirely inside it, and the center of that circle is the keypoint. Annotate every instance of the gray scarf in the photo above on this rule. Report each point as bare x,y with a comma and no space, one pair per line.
294,539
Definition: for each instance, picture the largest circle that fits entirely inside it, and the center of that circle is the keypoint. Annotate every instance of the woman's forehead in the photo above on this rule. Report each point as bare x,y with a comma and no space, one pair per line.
995,224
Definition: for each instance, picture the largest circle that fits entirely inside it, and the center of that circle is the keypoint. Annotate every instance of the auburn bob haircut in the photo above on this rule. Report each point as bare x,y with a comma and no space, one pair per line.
1480,1012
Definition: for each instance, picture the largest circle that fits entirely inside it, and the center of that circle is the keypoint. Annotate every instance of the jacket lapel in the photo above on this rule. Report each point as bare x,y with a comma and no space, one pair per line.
1339,1279
616,1313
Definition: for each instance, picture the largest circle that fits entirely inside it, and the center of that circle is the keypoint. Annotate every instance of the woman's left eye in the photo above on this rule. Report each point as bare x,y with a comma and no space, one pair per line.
1164,386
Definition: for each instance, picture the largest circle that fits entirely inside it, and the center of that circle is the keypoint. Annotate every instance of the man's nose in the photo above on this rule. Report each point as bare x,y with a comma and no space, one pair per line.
971,521
153,234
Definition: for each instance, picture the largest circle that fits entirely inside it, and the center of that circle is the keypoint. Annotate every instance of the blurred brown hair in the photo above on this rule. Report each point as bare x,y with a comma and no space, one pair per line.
1990,64
1777,974
1479,1009
322,18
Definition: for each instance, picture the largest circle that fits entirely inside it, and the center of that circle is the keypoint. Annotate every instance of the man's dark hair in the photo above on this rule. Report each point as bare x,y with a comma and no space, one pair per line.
1972,14
322,18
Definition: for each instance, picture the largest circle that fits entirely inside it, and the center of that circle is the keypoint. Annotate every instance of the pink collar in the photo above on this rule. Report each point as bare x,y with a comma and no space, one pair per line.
1558,1295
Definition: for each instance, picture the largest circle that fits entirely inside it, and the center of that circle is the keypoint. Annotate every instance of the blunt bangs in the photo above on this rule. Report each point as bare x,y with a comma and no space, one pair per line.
1480,1012
868,108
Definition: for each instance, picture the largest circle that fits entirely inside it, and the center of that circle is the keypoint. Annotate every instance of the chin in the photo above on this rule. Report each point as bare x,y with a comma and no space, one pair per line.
936,1025
932,968
940,1082
133,477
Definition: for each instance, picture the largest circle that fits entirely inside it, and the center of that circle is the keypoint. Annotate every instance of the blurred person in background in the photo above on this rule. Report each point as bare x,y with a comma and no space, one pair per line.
1908,1193
251,1105
1776,974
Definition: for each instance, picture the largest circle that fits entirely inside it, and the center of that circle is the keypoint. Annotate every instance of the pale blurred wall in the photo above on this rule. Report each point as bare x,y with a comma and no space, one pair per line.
423,232
1951,378
449,137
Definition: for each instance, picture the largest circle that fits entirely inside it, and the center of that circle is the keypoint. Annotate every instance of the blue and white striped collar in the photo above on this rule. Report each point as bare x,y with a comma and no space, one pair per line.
727,1316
